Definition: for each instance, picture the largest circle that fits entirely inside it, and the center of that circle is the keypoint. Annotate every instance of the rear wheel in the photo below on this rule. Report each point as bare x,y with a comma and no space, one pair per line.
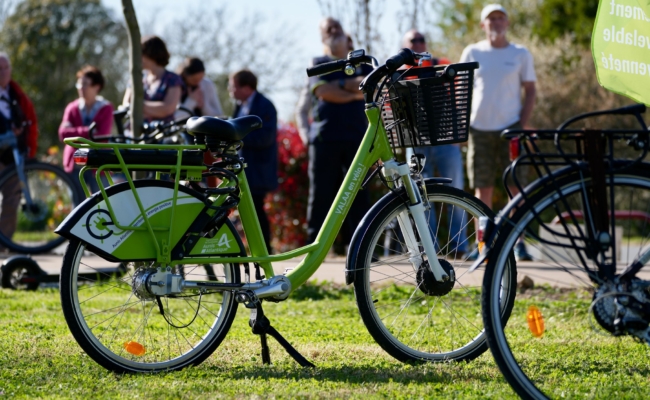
124,331
411,316
28,227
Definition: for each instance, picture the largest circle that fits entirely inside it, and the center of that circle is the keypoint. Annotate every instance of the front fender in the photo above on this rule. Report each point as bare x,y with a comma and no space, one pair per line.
398,195
362,228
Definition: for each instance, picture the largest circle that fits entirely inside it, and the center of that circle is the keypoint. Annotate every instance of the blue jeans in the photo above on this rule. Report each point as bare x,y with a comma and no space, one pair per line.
448,162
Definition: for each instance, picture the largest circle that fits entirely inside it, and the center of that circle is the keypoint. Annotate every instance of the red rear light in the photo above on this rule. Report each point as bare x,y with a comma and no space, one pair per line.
514,148
80,157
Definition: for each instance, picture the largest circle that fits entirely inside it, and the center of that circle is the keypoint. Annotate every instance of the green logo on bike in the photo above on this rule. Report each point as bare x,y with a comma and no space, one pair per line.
351,188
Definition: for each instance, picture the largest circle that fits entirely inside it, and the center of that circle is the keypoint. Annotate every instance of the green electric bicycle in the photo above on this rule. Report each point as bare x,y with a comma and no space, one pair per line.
411,284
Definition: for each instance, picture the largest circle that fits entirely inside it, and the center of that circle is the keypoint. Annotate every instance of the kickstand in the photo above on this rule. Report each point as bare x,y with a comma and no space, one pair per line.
261,326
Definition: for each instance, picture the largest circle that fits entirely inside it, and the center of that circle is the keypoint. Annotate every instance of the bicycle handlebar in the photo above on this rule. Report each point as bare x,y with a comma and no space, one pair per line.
152,132
404,57
327,68
357,57
634,109
91,130
631,109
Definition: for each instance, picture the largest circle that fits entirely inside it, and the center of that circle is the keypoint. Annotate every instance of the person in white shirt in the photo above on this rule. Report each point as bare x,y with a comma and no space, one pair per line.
200,93
504,70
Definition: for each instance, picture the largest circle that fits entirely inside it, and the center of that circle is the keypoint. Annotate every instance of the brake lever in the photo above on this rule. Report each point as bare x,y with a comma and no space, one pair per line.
91,130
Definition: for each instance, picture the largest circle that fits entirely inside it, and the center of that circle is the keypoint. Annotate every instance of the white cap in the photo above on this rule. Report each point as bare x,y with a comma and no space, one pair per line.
490,8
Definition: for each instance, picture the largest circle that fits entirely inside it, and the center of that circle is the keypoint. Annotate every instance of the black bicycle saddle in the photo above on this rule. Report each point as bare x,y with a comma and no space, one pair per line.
223,130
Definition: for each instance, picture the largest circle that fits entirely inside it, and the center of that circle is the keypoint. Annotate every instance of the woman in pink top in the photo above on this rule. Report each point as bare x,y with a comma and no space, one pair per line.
80,113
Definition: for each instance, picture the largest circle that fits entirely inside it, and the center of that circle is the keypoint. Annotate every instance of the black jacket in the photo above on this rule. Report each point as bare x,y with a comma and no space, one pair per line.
260,149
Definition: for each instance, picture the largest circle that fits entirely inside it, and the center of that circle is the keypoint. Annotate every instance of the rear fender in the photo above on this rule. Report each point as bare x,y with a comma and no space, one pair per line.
92,223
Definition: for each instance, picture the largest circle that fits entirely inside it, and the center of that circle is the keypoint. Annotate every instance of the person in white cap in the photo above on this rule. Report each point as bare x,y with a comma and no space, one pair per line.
504,69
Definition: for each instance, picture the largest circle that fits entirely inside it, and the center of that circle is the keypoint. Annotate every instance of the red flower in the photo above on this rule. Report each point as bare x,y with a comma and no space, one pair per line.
287,206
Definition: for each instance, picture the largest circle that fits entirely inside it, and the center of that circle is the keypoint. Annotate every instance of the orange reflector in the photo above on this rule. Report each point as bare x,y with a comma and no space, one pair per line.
480,233
535,321
135,348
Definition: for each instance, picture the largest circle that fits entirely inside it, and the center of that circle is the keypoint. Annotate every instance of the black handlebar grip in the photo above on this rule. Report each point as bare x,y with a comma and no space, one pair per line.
326,68
631,109
405,56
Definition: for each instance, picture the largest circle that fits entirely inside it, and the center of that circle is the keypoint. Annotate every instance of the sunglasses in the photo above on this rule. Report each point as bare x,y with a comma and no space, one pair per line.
417,40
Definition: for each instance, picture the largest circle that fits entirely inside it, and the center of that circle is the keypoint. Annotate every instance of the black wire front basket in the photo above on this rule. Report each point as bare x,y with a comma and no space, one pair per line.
429,106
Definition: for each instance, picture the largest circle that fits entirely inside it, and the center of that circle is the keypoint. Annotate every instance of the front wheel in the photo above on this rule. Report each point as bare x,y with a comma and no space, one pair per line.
410,315
126,331
559,341
27,227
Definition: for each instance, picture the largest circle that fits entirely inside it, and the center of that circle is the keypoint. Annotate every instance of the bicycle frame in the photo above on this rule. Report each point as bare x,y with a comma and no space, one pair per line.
374,146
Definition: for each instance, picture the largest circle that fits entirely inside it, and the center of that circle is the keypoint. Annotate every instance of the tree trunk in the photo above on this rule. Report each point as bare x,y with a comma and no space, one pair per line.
135,67
367,27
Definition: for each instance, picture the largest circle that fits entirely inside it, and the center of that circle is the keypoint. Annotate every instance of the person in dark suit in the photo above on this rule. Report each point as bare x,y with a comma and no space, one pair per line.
260,148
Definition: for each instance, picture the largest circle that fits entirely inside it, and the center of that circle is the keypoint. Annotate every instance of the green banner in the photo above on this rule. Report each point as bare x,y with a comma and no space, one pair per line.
620,45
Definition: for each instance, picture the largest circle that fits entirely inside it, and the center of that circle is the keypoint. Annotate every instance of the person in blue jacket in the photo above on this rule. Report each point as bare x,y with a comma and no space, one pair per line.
260,150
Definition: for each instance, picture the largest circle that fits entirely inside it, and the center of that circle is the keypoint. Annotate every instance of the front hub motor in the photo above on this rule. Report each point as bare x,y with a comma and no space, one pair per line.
427,282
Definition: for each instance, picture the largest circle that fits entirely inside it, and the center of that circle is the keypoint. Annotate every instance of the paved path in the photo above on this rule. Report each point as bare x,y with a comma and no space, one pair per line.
333,269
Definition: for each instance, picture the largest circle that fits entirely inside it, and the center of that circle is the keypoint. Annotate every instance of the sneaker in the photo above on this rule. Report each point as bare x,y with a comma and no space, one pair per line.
521,254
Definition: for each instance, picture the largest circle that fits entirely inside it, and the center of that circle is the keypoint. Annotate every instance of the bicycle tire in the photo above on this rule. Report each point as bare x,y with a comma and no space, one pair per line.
54,196
574,356
105,316
405,315
14,271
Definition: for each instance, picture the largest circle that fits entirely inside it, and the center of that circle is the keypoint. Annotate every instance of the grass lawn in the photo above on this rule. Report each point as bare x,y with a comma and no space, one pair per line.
40,359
